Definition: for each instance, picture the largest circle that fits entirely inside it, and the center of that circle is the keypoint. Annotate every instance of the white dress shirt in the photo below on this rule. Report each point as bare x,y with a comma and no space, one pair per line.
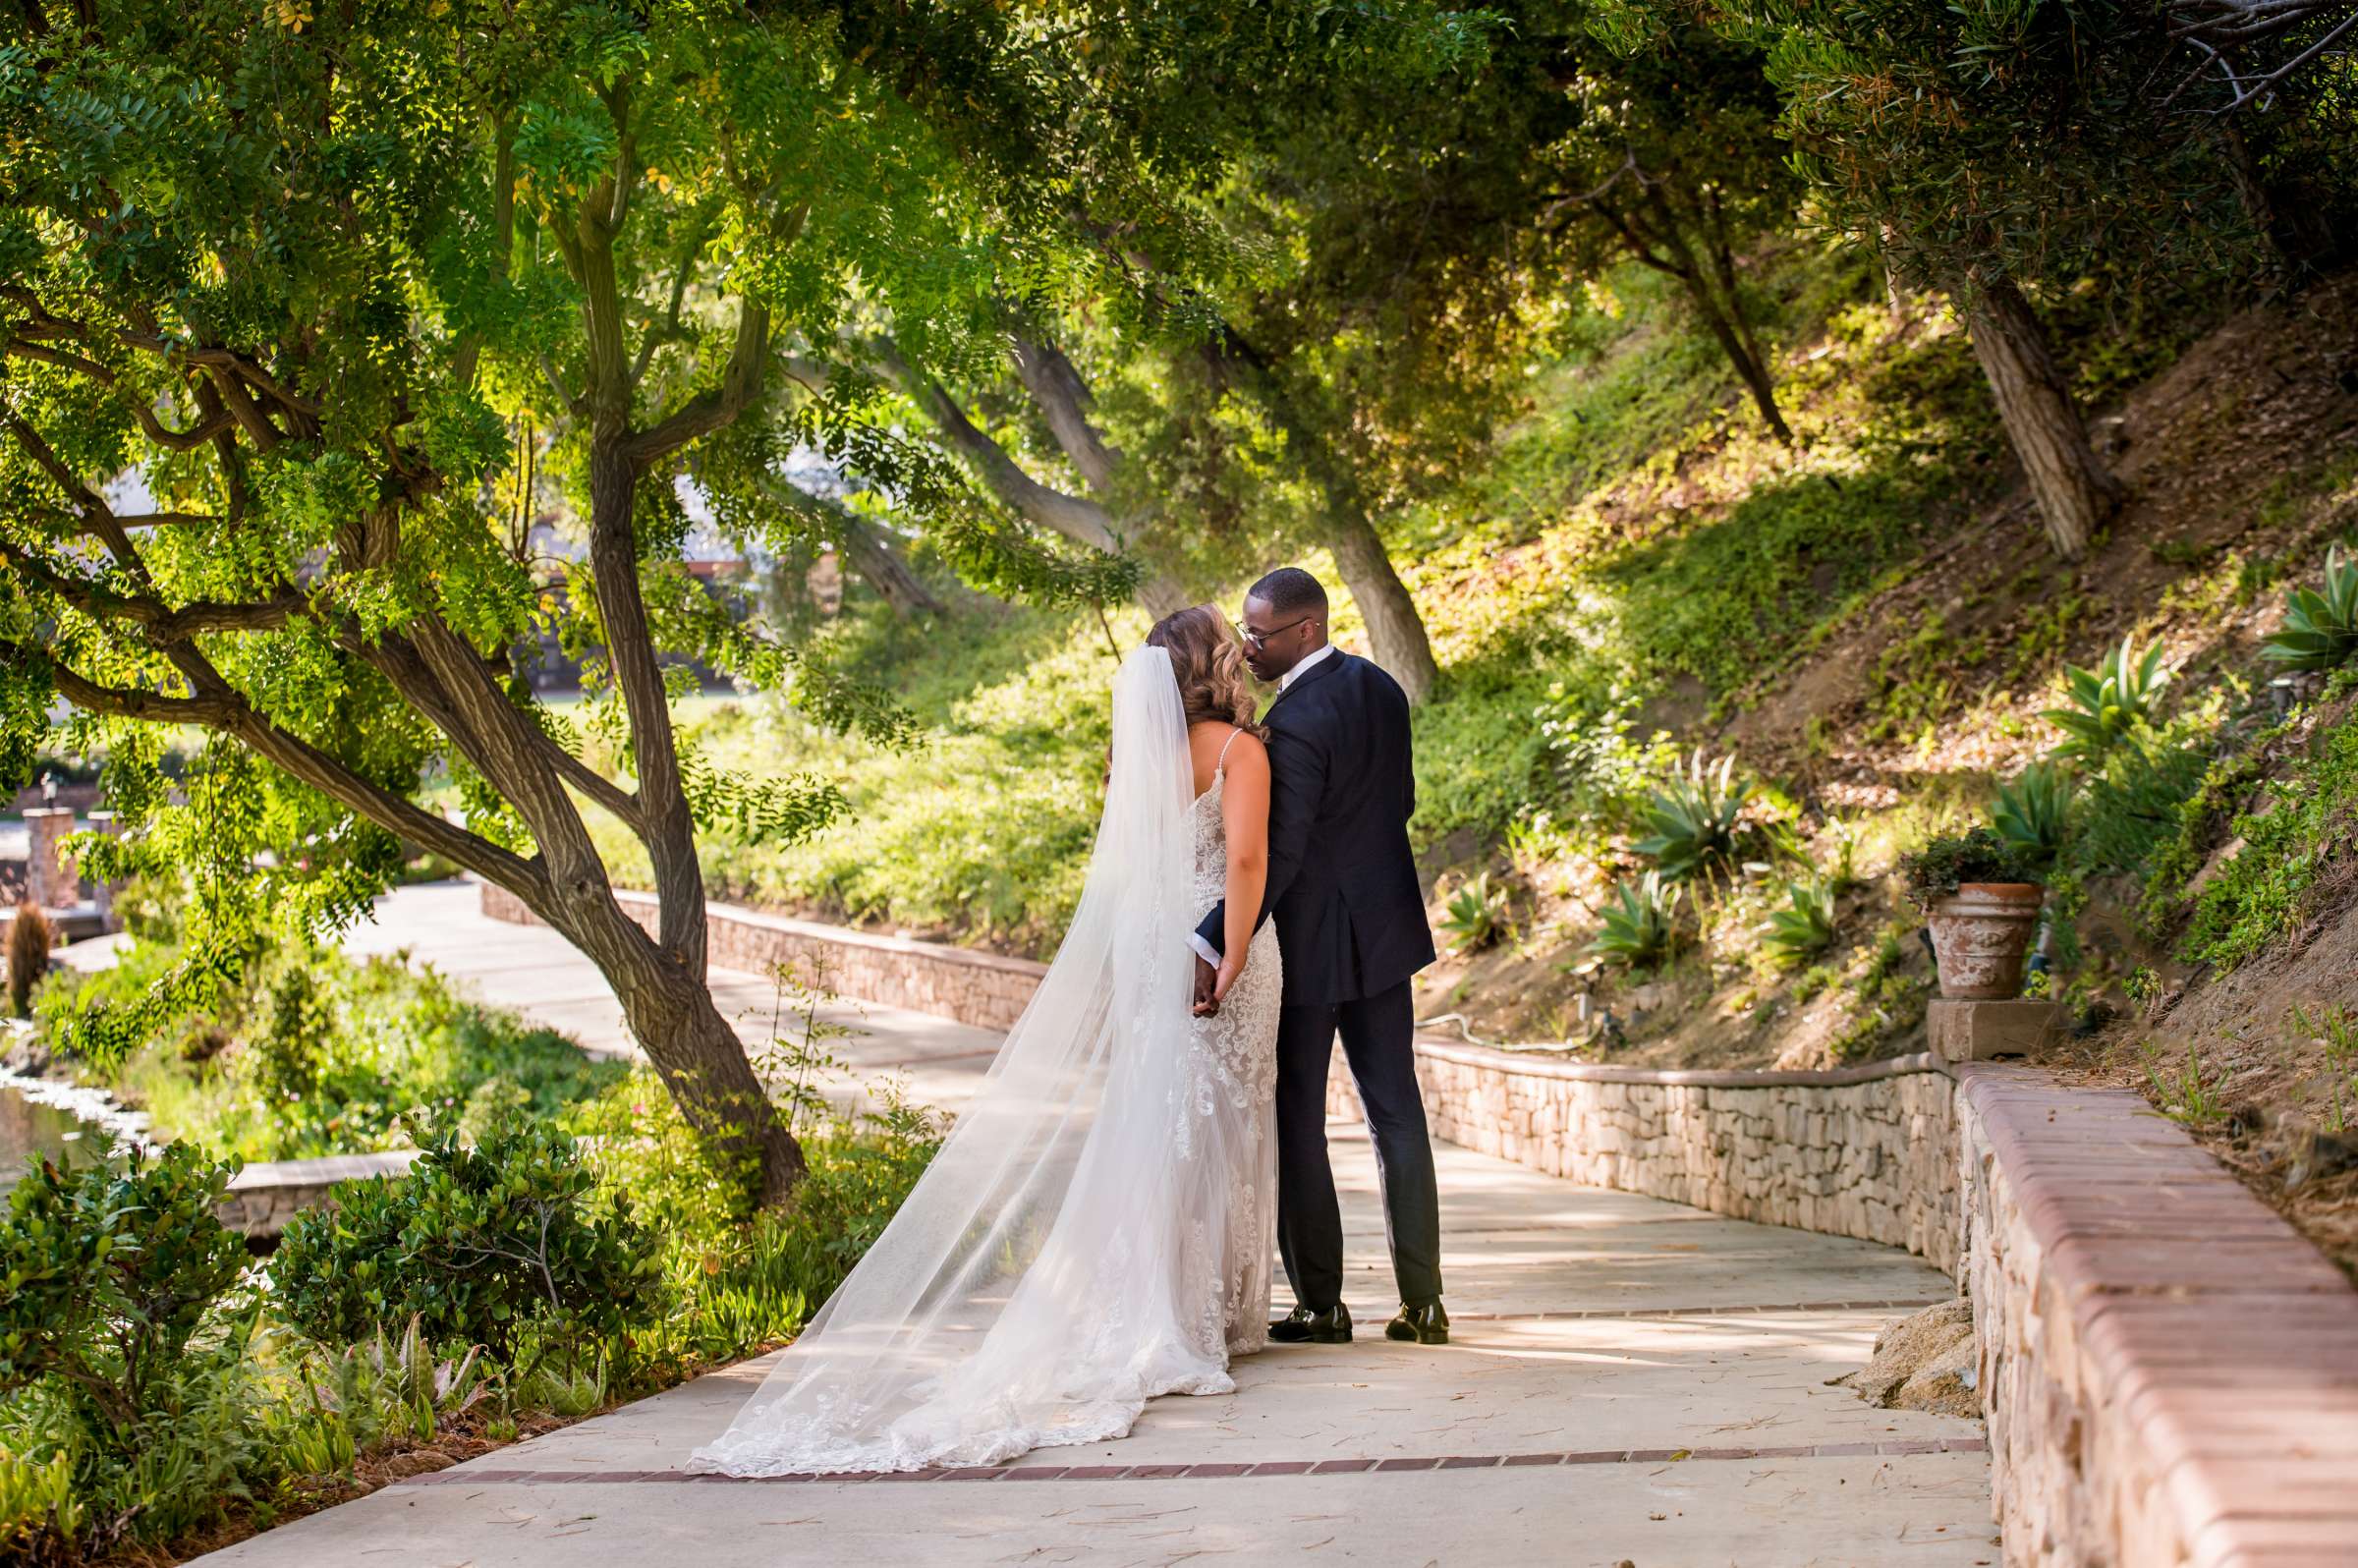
1285,681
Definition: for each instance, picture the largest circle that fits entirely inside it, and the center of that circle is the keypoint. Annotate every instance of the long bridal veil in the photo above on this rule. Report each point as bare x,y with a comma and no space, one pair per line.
1032,1289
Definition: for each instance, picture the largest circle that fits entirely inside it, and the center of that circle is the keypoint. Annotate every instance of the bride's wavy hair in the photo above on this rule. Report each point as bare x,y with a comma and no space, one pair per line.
1208,663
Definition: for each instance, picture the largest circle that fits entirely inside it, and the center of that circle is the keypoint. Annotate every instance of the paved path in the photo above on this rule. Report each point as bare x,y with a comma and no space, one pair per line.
533,970
1632,1382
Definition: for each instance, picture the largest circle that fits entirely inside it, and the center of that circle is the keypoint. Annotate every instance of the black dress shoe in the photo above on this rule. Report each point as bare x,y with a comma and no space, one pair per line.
1302,1326
1427,1324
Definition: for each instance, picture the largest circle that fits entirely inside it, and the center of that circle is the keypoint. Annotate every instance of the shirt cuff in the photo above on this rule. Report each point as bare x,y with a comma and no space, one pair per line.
1204,949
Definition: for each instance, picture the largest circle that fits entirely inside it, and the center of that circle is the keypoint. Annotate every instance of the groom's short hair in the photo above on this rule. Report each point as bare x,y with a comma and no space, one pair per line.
1290,590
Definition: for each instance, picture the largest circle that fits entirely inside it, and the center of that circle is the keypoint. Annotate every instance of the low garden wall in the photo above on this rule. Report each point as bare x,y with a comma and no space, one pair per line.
2169,1371
268,1193
1866,1151
983,990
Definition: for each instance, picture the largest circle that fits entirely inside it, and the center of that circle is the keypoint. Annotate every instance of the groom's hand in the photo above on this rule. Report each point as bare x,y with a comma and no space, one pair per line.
1208,1001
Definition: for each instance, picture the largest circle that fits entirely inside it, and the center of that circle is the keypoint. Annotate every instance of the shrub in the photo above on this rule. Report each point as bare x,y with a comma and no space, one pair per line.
2033,813
2106,704
1936,870
730,1286
1641,923
2305,824
31,937
2321,624
2129,812
1476,915
1693,819
326,1053
1805,926
477,1244
108,1275
122,1411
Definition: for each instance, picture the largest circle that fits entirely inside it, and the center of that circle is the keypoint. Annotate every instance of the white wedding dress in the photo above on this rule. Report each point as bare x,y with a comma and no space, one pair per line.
1097,1229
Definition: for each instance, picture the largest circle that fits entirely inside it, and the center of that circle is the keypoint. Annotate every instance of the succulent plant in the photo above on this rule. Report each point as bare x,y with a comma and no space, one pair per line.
2033,812
1693,819
2321,624
2105,704
1805,926
1641,923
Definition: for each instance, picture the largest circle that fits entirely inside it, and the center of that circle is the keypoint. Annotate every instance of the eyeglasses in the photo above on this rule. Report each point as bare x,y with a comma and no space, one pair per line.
1255,639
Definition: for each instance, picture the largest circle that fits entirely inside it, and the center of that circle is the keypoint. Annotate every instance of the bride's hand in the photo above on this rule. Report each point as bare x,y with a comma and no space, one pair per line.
1231,969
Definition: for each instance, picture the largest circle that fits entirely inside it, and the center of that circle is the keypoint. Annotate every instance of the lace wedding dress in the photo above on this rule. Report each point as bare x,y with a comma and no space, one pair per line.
1097,1229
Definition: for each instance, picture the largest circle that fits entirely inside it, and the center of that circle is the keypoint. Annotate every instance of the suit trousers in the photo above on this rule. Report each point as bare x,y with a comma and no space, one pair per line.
1376,1033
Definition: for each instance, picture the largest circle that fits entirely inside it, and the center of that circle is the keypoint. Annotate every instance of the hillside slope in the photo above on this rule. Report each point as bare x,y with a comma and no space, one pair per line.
1868,622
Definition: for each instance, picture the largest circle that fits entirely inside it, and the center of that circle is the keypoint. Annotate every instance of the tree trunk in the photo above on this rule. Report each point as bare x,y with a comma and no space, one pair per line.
1684,219
882,568
702,1063
1395,632
2074,492
1741,352
1722,307
661,984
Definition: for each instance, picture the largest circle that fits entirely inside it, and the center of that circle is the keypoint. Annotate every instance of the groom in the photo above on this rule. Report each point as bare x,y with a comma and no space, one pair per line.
1351,925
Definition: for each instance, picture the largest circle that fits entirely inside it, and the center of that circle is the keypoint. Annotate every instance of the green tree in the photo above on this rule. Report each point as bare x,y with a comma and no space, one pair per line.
1991,149
1674,159
306,315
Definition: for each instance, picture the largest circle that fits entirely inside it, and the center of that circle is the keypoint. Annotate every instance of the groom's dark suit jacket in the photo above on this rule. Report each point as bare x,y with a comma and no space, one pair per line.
1342,883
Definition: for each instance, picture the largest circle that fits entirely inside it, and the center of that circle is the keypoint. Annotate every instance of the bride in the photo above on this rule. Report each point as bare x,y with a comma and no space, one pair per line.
1097,1229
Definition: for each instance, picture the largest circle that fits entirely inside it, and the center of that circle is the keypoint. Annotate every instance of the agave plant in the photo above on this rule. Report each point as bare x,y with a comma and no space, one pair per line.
2108,702
378,1389
2321,625
1641,923
1805,926
1694,819
2033,813
1477,914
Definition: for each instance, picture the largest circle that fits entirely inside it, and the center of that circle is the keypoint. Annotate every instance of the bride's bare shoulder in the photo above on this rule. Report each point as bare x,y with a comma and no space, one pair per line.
1248,751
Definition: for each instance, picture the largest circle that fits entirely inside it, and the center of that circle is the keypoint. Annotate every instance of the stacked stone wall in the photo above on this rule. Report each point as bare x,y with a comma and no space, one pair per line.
983,990
1869,1153
2169,1371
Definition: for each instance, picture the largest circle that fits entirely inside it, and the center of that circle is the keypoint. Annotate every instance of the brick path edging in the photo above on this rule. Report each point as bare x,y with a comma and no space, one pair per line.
1914,1446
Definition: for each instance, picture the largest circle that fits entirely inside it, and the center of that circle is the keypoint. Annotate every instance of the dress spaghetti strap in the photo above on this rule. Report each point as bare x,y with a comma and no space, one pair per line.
1219,763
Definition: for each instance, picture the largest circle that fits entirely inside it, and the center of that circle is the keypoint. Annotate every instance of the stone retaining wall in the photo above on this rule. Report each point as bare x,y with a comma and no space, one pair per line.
983,990
1867,1151
2169,1371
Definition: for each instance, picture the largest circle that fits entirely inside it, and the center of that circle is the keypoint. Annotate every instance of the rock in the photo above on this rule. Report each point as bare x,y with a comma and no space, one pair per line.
1947,1384
1912,1345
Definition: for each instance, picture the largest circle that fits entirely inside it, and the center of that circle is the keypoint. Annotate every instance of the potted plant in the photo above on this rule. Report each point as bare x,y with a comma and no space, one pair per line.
1980,898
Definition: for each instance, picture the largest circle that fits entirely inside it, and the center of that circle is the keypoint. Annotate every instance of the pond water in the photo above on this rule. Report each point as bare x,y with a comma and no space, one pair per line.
29,1130
41,1116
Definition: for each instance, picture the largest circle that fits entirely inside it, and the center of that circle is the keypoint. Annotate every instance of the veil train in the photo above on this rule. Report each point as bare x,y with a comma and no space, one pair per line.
1032,1290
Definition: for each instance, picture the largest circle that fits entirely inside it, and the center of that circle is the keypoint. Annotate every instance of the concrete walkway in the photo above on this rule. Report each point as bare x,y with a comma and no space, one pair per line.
1632,1382
532,971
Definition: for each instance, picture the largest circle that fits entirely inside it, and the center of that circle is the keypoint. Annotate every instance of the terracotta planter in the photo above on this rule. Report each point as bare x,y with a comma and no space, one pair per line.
1981,936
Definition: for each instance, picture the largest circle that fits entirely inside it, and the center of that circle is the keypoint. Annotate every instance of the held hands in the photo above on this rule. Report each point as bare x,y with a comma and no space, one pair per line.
1212,985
